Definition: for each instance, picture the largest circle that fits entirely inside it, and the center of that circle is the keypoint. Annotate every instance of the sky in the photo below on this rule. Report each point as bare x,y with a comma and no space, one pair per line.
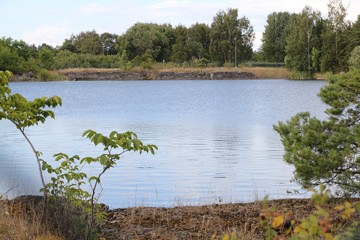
51,22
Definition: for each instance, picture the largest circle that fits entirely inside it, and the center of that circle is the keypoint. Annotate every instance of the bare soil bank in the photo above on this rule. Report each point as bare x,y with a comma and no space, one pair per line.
185,222
176,74
201,222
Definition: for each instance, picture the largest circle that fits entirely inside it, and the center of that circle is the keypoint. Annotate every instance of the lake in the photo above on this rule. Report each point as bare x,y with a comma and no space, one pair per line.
216,140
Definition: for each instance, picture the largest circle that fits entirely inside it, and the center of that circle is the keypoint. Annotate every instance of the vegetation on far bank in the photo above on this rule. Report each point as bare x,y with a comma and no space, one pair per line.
306,43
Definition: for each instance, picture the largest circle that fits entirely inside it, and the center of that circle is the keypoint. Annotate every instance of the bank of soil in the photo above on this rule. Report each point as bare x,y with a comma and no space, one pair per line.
222,73
176,223
200,222
156,75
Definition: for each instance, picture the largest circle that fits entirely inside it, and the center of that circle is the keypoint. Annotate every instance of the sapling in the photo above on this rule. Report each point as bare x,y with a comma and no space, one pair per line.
24,113
70,181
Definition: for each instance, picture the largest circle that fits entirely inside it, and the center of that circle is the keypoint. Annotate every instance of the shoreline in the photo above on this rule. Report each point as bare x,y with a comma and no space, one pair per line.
96,74
211,221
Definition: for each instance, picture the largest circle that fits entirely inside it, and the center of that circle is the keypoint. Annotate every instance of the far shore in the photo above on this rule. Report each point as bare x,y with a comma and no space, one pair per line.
223,73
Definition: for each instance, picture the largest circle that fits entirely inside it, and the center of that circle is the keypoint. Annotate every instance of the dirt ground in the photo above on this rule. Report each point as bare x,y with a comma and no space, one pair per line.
185,222
199,222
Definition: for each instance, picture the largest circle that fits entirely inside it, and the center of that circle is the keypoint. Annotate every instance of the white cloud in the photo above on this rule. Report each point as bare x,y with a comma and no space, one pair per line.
52,35
93,8
184,11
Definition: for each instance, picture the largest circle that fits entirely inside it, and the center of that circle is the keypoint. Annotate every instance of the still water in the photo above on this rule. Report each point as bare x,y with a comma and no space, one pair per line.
215,138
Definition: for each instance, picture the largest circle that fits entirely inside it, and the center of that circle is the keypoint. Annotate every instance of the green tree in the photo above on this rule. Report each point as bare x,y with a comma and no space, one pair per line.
304,36
17,56
355,34
68,45
230,37
354,59
46,56
24,113
148,38
328,151
335,38
199,40
88,43
109,42
274,36
70,183
179,48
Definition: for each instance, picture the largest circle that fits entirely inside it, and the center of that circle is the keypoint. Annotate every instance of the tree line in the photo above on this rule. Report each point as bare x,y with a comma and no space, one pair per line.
304,41
143,44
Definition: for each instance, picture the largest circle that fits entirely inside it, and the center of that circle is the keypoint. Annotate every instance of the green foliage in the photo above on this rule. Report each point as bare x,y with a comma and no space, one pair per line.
148,38
70,183
229,33
354,59
298,75
336,39
327,152
265,64
274,36
24,113
303,38
65,59
318,225
88,42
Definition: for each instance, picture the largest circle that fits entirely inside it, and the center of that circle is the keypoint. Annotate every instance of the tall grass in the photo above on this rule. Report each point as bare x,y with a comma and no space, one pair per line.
22,222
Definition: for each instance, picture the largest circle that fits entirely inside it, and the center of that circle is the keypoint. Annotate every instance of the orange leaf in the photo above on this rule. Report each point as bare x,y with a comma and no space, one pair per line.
277,221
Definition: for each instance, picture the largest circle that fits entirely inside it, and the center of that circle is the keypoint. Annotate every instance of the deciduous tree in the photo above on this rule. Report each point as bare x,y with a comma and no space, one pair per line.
228,33
274,36
304,36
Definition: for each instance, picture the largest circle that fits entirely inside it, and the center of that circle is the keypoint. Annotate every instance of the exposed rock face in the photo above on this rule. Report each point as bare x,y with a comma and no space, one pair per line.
26,77
142,75
150,75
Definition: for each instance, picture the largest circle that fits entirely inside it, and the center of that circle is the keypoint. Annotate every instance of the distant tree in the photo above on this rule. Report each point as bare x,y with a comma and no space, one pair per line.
245,43
199,40
335,38
17,56
148,38
68,45
274,36
10,60
355,34
354,59
179,48
109,42
227,33
88,43
303,38
46,56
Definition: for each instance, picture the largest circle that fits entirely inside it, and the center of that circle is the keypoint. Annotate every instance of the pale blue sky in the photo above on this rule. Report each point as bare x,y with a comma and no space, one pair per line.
49,21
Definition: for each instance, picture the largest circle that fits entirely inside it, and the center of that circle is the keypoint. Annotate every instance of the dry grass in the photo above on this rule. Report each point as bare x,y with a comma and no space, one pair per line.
199,222
20,221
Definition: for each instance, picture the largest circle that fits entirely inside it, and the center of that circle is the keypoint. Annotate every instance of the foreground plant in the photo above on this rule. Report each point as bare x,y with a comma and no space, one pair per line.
70,182
328,152
24,113
322,224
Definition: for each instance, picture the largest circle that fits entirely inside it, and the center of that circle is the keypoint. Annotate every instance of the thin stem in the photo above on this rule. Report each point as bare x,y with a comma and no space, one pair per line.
39,166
